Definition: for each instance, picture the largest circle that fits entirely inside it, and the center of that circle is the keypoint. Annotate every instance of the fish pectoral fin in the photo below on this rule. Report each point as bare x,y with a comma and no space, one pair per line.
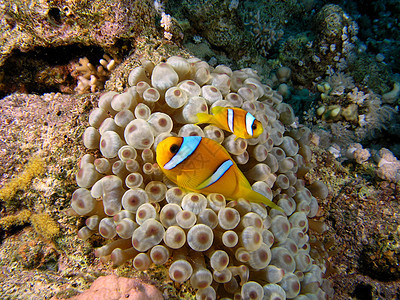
204,184
185,178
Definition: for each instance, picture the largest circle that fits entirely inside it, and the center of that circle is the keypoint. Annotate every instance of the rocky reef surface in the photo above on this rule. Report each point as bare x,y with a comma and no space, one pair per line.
356,230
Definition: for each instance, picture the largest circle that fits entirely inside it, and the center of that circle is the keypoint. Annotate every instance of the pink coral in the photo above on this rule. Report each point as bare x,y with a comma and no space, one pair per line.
113,287
388,166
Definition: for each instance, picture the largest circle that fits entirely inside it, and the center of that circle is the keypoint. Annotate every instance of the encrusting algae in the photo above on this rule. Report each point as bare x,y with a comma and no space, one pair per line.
33,168
21,218
225,248
42,223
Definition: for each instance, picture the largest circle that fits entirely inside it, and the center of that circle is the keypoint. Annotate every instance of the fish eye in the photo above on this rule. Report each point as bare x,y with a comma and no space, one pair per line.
174,148
254,126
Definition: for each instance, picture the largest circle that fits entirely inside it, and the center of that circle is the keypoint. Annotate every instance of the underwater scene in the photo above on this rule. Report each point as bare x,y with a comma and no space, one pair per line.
199,149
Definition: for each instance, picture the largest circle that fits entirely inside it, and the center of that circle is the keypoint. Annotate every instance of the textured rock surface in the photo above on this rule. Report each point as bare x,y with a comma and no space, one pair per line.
26,25
362,215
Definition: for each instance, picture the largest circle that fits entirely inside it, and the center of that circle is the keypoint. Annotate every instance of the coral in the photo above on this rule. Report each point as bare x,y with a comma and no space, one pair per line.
379,25
44,225
219,246
57,110
33,168
279,13
352,114
339,82
90,78
365,120
265,33
376,119
166,23
357,153
393,95
112,287
376,75
388,165
372,235
15,220
218,26
330,49
380,259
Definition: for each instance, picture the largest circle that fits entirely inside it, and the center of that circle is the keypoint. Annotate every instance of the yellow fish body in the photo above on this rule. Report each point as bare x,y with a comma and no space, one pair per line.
236,120
204,166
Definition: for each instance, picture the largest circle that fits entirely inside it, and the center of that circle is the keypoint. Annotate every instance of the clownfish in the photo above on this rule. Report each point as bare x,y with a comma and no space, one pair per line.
202,165
236,120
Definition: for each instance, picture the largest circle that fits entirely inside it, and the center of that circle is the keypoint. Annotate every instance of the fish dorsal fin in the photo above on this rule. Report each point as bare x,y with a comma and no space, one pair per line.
217,109
204,118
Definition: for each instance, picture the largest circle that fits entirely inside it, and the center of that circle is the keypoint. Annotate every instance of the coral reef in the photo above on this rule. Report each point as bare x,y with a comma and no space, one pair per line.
388,165
341,100
379,29
225,247
37,126
362,212
27,25
41,41
351,118
264,33
44,70
333,48
218,26
351,79
47,126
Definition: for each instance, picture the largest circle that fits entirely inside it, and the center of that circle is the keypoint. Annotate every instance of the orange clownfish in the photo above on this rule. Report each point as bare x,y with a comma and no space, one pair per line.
236,120
204,166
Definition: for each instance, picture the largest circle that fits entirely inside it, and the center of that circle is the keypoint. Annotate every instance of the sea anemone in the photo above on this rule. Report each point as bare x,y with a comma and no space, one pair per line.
230,248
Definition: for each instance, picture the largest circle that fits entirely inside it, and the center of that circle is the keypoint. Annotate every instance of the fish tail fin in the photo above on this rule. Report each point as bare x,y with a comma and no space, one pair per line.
253,196
204,118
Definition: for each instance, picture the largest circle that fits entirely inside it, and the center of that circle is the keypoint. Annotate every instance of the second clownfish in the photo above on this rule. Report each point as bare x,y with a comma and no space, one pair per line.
204,166
236,120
